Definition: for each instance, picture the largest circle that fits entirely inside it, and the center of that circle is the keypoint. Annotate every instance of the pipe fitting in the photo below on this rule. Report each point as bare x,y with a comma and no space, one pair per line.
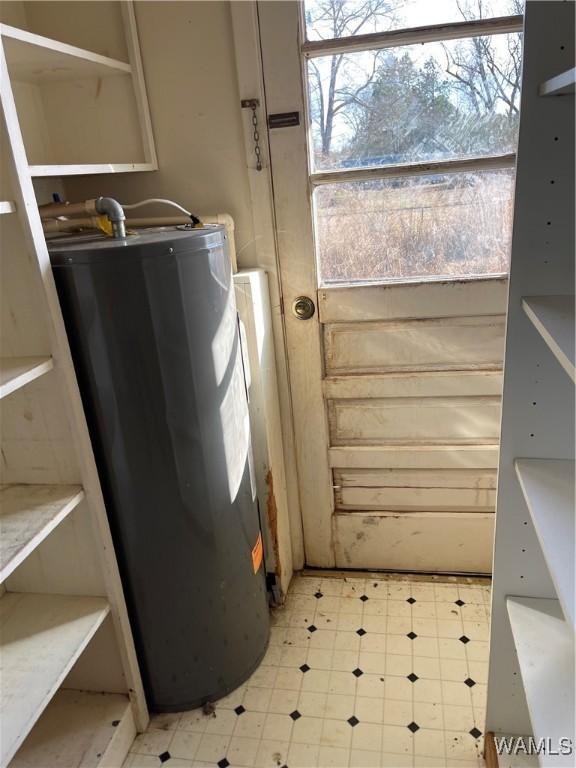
111,208
54,210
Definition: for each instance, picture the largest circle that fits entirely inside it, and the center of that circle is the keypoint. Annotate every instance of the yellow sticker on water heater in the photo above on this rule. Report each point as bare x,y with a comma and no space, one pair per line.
257,552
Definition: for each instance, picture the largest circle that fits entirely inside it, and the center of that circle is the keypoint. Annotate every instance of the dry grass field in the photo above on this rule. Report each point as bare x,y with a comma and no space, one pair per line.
425,227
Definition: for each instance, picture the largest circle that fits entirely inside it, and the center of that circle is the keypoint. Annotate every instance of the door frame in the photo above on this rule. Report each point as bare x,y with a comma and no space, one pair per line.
263,251
279,29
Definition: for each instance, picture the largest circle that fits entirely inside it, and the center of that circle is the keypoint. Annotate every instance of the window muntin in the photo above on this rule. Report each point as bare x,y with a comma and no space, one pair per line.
418,103
329,19
445,225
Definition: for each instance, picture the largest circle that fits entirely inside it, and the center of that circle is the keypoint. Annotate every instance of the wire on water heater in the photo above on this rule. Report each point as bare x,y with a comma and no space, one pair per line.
194,219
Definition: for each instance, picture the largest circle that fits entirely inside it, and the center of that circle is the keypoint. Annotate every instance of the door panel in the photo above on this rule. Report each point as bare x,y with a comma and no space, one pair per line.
467,420
411,478
419,300
414,384
438,344
412,490
415,499
428,390
415,541
415,456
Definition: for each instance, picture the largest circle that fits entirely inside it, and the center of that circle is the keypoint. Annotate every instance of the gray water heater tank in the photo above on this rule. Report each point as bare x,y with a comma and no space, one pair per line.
153,329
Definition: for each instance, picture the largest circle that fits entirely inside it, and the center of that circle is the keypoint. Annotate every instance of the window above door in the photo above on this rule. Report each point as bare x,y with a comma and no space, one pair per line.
413,112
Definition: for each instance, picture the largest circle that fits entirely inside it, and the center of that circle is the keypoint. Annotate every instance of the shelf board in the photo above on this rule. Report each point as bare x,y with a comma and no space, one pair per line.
560,85
7,206
28,513
16,372
77,731
42,636
33,58
545,647
548,487
553,317
83,170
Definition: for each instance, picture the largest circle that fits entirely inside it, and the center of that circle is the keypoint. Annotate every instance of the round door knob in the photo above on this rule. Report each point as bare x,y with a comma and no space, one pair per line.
303,307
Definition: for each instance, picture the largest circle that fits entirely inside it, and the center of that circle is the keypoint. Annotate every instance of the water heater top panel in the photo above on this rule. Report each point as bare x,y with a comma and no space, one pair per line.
92,248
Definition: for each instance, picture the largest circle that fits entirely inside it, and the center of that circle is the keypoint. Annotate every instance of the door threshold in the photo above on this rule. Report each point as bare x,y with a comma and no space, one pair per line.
384,575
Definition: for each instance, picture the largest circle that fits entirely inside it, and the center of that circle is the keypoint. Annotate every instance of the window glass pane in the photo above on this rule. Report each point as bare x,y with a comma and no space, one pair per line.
433,101
327,19
453,225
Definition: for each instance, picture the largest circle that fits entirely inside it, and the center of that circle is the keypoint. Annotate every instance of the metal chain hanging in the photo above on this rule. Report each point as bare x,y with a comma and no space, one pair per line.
253,104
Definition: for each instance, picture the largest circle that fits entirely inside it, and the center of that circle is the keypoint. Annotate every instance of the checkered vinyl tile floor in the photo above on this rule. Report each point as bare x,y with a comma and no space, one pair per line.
360,673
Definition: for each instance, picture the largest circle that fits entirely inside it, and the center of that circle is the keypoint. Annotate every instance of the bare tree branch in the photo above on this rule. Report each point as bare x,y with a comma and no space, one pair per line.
332,96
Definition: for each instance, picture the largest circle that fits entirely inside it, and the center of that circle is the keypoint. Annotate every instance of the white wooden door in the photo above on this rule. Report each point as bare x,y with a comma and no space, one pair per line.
396,377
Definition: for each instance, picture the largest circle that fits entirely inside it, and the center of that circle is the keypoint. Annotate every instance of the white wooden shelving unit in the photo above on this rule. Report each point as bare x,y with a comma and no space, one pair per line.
548,487
71,692
91,717
28,513
82,112
15,372
553,317
42,636
545,647
559,85
531,677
